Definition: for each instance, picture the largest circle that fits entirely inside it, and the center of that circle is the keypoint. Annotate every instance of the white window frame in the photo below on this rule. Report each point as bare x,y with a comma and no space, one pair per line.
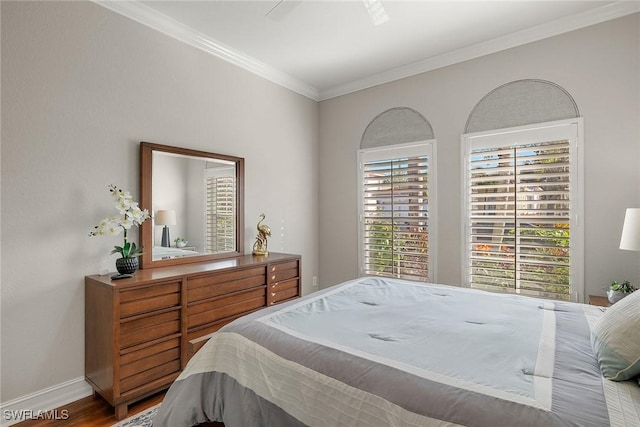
216,173
412,149
571,129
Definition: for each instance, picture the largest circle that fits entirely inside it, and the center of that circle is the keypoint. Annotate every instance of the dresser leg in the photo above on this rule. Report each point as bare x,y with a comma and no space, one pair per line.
121,411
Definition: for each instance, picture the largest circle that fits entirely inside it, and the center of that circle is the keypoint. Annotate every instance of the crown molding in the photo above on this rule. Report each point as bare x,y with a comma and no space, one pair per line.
147,16
533,34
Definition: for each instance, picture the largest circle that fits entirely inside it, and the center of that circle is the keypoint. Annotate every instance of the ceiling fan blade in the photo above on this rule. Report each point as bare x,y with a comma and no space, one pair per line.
376,11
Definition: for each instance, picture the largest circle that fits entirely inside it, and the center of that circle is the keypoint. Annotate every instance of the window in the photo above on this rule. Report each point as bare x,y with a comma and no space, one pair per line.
523,198
221,211
397,211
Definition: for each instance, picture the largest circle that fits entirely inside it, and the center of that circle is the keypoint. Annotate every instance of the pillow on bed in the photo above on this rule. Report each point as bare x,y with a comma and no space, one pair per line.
615,339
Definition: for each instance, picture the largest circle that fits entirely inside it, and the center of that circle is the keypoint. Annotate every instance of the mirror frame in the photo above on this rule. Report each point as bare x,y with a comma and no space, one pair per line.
146,190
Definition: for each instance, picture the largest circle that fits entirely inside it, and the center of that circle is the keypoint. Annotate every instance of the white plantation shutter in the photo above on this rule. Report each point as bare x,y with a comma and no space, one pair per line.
396,205
523,204
220,217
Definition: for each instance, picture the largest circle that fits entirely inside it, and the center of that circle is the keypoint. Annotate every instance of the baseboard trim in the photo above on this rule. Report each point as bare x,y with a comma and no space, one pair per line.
29,406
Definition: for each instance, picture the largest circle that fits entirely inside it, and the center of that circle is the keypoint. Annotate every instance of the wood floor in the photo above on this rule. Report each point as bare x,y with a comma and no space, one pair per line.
91,412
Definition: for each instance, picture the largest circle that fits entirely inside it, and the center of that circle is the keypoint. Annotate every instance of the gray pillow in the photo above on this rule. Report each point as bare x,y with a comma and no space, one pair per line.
615,339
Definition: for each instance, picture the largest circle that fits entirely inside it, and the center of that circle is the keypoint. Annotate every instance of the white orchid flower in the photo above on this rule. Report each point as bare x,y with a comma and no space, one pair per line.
130,214
113,229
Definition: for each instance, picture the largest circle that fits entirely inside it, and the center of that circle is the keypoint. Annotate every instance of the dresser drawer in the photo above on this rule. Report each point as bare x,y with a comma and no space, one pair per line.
147,377
284,274
194,334
283,295
283,266
219,308
149,362
220,284
149,298
141,329
284,285
136,353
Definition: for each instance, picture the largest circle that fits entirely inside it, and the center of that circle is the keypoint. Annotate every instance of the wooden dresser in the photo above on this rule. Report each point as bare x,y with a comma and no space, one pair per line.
140,332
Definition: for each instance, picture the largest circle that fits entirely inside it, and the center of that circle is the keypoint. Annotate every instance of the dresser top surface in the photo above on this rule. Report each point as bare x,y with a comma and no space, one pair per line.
153,274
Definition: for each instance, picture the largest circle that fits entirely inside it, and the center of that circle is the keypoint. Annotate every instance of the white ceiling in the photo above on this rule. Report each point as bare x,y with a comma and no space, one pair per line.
323,49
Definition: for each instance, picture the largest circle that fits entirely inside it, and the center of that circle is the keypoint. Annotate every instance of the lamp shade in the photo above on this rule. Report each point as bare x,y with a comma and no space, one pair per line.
630,239
166,218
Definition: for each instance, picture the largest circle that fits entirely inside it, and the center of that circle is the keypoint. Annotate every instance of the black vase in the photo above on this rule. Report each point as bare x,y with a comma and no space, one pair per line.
127,265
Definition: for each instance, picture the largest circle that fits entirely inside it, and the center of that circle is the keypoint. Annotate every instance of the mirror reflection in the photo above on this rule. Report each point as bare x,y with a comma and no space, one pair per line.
196,203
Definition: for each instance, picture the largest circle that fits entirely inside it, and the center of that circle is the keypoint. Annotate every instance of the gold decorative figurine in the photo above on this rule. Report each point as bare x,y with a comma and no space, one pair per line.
260,246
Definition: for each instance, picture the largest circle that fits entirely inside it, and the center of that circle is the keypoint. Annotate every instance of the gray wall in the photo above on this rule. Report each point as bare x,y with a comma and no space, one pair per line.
81,87
599,66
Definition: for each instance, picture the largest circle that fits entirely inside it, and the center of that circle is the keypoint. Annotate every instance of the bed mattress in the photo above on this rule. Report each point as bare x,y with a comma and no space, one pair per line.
386,352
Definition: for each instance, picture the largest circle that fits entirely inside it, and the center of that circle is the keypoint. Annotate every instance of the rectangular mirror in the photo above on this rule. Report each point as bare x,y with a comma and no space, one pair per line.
196,201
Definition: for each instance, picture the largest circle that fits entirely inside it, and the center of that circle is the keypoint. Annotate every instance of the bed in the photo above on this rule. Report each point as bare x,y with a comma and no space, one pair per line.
386,352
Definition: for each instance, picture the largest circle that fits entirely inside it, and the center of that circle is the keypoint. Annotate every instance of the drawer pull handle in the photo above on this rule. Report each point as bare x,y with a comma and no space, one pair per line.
273,277
273,294
273,268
